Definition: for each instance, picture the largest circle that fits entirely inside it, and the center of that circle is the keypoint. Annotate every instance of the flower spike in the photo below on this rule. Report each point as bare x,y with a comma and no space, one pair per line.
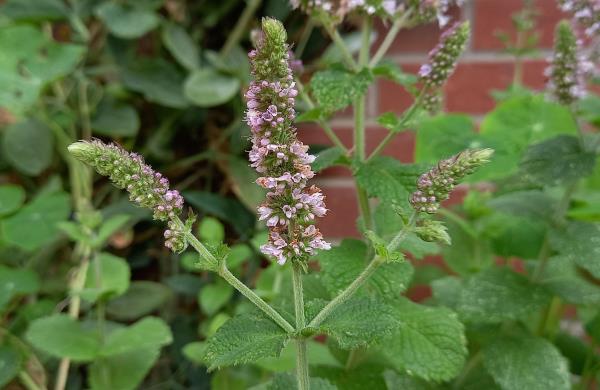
278,156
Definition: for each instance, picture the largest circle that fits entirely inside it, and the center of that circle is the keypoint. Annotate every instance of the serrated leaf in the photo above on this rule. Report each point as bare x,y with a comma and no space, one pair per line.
328,157
142,297
11,198
207,87
498,294
525,362
243,339
335,89
151,332
532,204
287,381
27,146
62,336
181,46
107,277
124,371
581,240
365,376
561,277
514,236
342,264
429,343
36,223
359,321
127,21
557,161
388,179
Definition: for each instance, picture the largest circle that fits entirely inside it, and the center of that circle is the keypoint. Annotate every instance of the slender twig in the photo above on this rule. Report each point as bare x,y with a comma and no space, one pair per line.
389,38
301,356
240,27
306,33
341,45
28,381
364,276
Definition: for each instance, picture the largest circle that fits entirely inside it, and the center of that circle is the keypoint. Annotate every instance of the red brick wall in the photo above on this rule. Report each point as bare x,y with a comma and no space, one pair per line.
483,67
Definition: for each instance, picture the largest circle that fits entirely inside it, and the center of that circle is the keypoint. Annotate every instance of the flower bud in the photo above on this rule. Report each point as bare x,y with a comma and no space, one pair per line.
434,186
569,67
443,58
128,171
432,231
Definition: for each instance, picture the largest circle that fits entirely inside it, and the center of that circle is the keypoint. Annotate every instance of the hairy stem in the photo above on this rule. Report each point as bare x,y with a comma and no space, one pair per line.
389,38
364,276
301,357
236,283
341,45
236,35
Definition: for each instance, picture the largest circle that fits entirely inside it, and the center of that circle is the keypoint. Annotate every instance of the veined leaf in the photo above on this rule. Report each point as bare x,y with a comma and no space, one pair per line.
335,89
243,339
389,179
581,240
526,362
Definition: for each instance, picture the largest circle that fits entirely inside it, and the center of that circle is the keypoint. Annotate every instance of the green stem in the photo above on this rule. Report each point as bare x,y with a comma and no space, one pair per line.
28,381
389,38
235,282
308,29
341,45
405,119
364,275
236,35
301,357
473,362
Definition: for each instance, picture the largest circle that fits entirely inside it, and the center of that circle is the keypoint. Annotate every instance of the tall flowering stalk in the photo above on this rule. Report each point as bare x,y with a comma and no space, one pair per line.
146,187
278,156
586,14
569,66
435,185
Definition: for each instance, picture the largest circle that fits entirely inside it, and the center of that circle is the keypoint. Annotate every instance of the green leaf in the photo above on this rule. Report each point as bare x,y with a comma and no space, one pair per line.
532,204
35,224
317,353
34,10
31,60
393,380
581,241
208,87
211,230
499,294
446,291
110,227
62,336
526,362
115,119
562,278
335,89
429,343
589,108
181,46
358,322
28,146
390,121
388,179
514,236
10,363
443,136
127,21
515,124
142,298
107,277
195,351
243,339
313,115
244,184
329,157
226,209
342,264
159,81
366,376
124,372
151,332
214,296
469,252
11,198
287,381
393,72
557,161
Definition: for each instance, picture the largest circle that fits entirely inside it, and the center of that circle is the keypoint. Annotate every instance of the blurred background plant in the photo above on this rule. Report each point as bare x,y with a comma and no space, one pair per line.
165,77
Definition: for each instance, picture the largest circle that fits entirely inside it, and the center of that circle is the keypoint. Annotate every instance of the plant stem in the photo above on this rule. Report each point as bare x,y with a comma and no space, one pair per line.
341,45
405,119
301,357
236,35
473,362
28,381
235,282
389,38
364,275
308,29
